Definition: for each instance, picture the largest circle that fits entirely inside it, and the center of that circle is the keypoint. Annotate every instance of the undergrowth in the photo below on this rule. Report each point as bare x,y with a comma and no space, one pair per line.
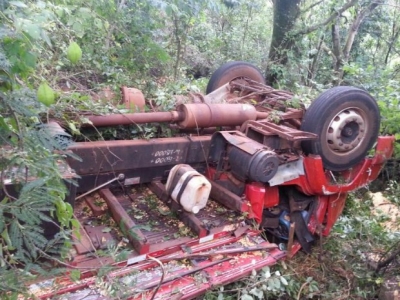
341,266
127,47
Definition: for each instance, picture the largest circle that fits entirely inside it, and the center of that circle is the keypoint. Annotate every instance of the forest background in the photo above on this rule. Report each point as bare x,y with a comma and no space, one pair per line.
170,47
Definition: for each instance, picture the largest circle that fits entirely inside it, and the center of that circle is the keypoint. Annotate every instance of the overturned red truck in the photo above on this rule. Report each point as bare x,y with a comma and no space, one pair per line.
255,178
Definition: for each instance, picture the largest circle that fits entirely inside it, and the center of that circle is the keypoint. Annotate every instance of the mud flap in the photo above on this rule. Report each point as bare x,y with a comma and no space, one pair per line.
302,233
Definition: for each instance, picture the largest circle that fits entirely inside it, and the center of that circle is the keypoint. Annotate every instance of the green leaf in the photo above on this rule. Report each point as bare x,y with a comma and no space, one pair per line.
73,128
164,212
106,229
32,29
18,4
253,273
98,23
75,223
33,185
3,124
257,292
7,239
75,275
78,28
14,124
267,272
277,283
45,37
85,11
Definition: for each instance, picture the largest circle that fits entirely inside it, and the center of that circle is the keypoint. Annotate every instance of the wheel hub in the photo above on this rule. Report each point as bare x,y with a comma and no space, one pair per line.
346,130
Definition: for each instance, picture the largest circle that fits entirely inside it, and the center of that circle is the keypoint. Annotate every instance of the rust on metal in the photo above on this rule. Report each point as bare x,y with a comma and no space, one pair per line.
56,130
204,112
128,227
219,95
284,132
191,271
133,98
201,115
96,209
92,238
241,230
82,243
227,198
140,156
134,118
211,115
187,218
262,93
242,142
292,114
290,249
227,251
262,115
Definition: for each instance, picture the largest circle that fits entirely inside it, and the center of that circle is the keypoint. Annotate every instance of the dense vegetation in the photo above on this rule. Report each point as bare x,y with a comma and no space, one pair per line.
167,47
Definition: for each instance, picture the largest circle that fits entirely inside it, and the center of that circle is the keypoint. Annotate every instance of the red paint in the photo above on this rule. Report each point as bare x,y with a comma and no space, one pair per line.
317,181
335,208
261,196
271,198
255,193
331,199
219,274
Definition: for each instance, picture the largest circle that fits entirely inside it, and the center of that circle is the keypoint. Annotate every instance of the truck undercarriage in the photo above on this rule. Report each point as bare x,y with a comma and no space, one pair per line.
278,177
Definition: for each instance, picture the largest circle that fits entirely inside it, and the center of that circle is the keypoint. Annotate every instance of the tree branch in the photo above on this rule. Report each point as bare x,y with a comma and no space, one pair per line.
114,25
355,26
336,39
328,51
311,6
314,63
328,20
121,4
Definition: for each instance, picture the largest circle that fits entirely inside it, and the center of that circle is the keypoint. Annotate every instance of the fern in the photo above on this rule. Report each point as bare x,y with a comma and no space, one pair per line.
5,64
23,102
32,181
16,235
10,281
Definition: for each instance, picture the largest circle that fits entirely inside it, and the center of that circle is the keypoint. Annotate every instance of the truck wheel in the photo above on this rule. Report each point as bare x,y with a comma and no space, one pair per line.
347,120
232,70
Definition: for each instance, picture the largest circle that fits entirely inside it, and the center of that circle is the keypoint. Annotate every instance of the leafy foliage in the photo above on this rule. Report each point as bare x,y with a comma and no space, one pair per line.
165,48
341,264
32,205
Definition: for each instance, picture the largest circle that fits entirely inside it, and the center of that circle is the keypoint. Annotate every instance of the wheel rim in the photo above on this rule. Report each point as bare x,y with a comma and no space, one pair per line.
346,131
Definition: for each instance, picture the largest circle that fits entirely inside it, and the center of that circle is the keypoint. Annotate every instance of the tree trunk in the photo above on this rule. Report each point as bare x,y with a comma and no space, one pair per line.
392,41
315,58
337,64
343,57
285,16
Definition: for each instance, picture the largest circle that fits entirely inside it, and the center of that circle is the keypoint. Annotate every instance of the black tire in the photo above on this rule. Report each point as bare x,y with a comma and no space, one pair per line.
232,70
346,120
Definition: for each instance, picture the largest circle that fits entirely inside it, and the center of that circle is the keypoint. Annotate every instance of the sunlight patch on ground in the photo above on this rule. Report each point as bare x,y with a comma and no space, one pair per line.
383,207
